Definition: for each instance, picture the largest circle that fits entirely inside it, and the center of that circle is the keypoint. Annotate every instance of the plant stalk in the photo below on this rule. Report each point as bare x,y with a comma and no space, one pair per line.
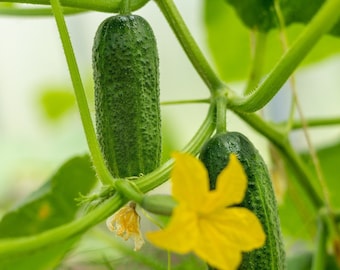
97,158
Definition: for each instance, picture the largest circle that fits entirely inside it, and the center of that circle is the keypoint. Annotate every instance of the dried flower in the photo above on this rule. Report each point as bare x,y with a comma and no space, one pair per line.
126,223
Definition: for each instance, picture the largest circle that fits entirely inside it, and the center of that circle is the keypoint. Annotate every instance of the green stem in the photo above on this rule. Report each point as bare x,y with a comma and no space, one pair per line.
99,5
125,7
320,253
159,204
189,45
291,116
129,190
221,114
322,22
37,12
334,121
191,101
97,158
256,71
278,138
19,245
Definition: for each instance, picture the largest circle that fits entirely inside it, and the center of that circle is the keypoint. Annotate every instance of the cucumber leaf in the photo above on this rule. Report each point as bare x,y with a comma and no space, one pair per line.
261,14
256,14
52,205
229,38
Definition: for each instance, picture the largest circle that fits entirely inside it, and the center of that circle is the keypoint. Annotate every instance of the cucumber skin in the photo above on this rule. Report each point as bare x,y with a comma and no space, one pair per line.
259,198
126,78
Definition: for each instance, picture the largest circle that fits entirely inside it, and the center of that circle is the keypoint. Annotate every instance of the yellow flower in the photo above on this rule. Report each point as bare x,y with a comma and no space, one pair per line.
207,222
125,222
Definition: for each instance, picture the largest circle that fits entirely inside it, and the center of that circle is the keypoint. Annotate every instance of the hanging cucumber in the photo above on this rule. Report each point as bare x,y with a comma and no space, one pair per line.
259,198
126,78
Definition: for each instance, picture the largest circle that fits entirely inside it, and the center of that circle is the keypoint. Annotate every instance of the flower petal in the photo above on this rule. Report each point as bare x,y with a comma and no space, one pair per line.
181,233
239,226
189,178
225,234
218,253
230,187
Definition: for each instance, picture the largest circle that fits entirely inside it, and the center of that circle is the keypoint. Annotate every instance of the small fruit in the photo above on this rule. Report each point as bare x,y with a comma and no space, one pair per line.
126,77
259,198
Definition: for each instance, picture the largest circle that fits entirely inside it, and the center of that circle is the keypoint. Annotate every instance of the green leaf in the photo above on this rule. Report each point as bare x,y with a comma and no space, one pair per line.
229,39
256,14
56,102
298,217
261,14
50,206
297,214
45,259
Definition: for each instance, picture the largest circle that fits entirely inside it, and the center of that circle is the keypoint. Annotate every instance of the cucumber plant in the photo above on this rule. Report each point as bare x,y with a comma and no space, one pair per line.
127,141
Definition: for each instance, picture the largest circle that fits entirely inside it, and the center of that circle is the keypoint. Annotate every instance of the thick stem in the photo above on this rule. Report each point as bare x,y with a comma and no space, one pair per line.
99,5
36,12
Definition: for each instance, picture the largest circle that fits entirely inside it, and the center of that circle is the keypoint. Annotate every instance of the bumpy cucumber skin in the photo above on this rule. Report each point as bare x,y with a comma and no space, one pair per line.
126,78
259,198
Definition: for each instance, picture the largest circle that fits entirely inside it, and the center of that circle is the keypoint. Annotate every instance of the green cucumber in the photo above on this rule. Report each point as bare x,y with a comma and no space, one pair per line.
126,79
259,198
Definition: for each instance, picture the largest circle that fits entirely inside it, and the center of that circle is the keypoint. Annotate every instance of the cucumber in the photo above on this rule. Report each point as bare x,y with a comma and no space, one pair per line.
259,198
127,109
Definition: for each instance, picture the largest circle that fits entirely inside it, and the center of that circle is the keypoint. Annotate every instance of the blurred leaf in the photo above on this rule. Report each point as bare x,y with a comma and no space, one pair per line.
56,102
297,214
168,139
303,261
261,14
298,218
256,14
229,39
329,161
191,262
50,206
46,259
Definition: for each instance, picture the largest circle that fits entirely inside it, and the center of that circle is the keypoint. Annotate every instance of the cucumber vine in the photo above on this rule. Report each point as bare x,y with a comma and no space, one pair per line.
220,99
